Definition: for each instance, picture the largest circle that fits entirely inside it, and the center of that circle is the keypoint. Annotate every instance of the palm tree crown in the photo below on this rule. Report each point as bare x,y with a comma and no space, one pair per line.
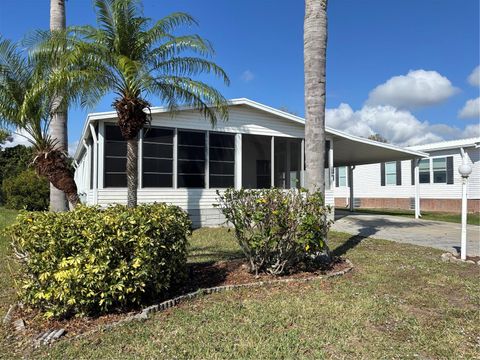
26,104
128,55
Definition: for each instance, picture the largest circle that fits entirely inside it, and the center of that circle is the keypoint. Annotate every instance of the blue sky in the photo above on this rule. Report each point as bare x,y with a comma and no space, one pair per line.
371,42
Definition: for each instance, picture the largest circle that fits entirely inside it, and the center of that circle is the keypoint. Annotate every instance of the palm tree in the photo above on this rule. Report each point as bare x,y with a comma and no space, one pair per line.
315,52
127,55
58,124
26,103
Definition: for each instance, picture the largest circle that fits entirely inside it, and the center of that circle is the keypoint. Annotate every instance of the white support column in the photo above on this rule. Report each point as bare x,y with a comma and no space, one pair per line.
302,164
207,160
417,189
140,158
331,166
272,162
95,164
350,184
175,157
238,161
100,154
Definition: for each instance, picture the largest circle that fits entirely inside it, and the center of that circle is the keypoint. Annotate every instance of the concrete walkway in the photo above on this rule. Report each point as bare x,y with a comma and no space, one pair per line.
437,234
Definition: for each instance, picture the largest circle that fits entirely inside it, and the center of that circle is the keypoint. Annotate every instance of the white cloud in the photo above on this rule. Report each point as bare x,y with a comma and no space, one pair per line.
474,77
418,88
399,127
471,109
471,131
72,146
19,137
247,76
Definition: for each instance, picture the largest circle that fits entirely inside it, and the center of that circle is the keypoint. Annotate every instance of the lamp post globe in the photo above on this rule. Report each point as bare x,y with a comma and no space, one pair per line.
465,170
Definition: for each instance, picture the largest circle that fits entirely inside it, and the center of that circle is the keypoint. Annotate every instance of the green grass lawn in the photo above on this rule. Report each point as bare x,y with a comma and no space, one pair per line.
400,301
472,218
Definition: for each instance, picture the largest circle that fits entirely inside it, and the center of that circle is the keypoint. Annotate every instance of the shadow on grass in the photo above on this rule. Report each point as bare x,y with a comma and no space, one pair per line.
212,253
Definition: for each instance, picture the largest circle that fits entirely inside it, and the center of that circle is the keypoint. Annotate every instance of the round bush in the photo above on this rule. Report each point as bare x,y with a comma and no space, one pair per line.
92,260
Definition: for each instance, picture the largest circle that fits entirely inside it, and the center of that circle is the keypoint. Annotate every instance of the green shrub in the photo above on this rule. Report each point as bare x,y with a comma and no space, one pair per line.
277,229
27,191
91,261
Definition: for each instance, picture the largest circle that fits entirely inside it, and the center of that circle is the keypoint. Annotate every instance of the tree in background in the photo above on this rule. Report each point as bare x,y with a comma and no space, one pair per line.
128,56
59,117
377,137
315,57
26,99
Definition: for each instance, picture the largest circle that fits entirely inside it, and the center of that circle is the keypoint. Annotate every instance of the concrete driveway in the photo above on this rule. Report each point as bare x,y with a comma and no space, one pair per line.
437,234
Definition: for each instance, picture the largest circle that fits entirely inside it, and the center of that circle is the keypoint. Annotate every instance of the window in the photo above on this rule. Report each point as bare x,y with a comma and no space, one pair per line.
221,160
115,168
157,158
439,170
391,173
342,176
191,159
424,171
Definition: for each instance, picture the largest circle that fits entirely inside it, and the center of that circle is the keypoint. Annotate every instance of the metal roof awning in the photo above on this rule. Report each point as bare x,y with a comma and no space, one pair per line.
349,150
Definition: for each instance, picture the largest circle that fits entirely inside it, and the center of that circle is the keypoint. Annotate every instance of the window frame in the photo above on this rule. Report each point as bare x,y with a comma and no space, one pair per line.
143,157
205,148
425,171
432,176
391,173
208,171
344,177
105,156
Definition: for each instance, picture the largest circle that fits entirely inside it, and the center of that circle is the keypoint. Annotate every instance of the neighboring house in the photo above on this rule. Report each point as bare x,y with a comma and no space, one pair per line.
392,184
184,161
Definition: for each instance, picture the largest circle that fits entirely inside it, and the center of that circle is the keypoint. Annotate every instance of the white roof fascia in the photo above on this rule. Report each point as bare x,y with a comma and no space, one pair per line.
375,143
447,145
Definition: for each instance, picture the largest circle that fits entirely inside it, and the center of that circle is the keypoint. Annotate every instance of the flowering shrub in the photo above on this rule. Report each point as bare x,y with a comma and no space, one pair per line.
91,261
277,229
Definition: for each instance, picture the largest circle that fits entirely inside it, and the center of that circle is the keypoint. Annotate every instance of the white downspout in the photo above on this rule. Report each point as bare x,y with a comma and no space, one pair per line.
95,164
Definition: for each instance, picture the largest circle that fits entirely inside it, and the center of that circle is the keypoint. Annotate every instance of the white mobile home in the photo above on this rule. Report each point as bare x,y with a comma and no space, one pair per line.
392,184
184,161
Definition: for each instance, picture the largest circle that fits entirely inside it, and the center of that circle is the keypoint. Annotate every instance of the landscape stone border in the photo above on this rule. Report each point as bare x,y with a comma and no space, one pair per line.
52,335
449,257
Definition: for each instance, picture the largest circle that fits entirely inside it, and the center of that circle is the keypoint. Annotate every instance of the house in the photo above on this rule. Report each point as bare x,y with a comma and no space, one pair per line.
184,161
392,184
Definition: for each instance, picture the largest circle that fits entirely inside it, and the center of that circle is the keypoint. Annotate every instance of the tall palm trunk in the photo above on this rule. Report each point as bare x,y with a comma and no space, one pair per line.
315,52
132,172
58,124
131,119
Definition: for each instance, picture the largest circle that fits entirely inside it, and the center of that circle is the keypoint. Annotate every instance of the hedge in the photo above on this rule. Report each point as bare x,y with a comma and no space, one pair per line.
92,261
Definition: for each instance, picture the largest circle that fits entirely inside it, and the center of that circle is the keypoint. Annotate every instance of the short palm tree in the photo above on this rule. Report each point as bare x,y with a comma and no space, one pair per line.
26,104
128,55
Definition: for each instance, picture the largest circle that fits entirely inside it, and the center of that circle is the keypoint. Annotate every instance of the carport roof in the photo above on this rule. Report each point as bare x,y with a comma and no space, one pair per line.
353,150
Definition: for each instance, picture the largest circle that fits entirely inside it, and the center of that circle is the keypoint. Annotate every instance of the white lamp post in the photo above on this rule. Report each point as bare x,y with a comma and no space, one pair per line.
465,170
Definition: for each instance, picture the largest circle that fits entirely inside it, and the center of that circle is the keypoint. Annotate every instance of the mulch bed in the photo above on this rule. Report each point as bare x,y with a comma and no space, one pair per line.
200,275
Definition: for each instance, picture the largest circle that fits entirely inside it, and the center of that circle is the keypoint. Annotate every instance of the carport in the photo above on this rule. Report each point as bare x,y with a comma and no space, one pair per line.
350,151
